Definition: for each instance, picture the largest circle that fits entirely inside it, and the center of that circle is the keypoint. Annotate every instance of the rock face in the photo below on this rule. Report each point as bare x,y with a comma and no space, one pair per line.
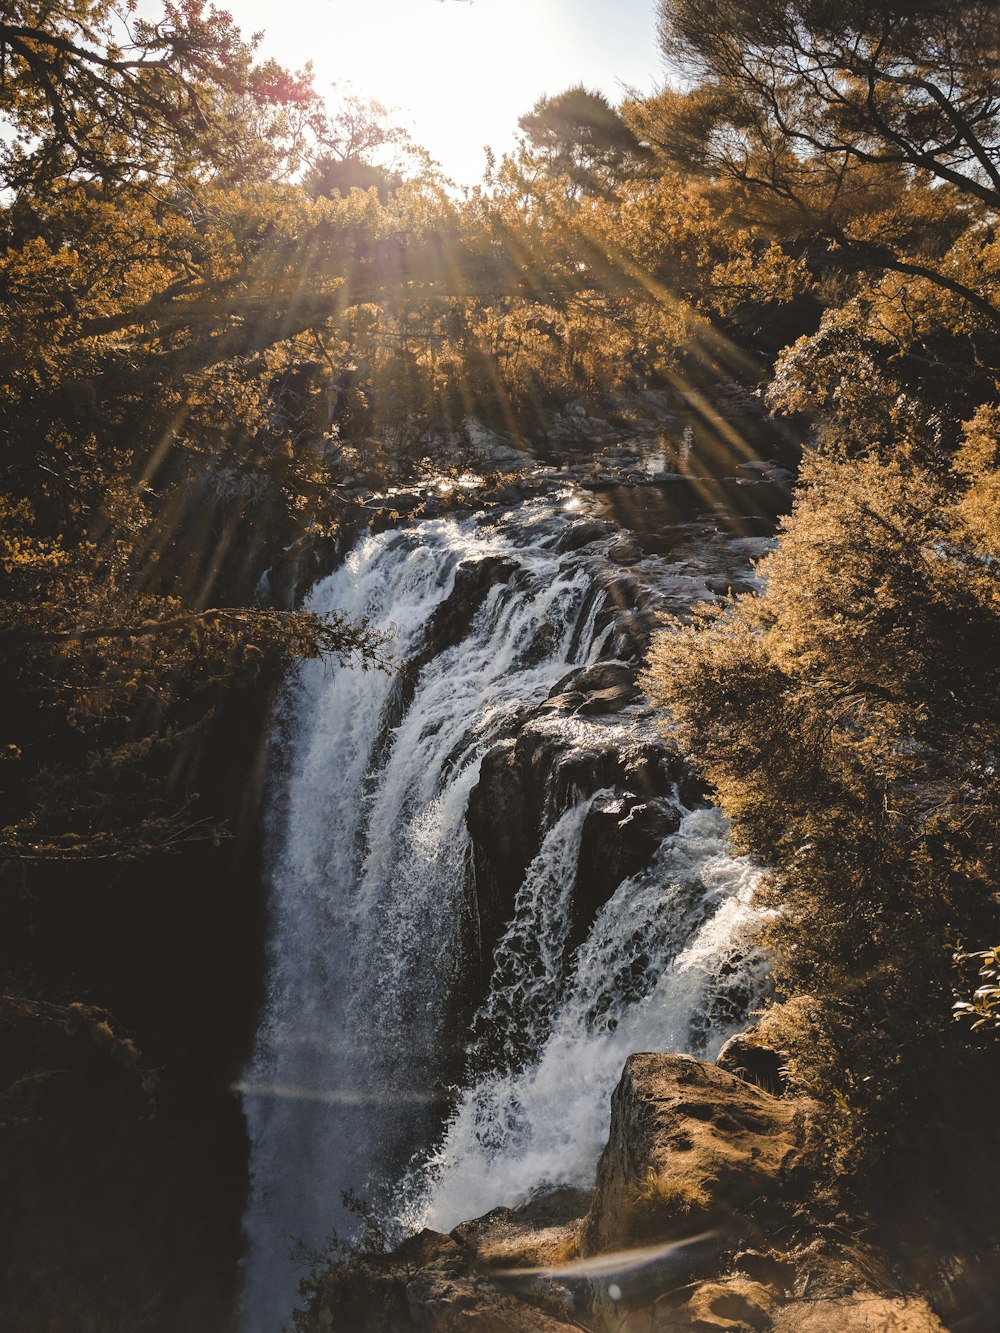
527,781
434,1283
695,1155
691,1149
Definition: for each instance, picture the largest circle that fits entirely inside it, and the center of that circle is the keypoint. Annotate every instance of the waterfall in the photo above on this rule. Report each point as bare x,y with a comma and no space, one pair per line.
669,965
369,905
359,1079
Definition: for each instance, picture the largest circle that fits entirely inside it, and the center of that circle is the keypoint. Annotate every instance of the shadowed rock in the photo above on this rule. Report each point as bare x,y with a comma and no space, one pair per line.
432,1283
750,1058
621,834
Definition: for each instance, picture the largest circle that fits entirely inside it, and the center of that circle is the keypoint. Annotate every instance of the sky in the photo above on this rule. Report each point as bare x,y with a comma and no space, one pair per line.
460,72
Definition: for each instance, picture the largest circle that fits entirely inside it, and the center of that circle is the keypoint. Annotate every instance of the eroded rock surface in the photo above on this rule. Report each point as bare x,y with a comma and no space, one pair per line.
691,1149
749,1056
436,1283
543,1232
861,1312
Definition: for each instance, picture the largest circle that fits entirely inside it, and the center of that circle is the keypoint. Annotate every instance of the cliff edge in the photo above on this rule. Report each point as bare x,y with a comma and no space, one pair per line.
702,1218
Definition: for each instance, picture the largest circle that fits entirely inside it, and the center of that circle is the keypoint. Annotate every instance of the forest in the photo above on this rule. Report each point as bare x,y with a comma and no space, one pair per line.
237,318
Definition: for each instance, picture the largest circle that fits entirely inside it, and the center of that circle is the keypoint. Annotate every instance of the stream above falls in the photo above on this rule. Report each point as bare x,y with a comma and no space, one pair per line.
491,877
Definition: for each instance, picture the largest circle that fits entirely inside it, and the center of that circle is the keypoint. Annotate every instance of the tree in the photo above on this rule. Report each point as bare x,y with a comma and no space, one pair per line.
835,113
847,713
359,148
579,135
96,94
900,363
847,717
151,268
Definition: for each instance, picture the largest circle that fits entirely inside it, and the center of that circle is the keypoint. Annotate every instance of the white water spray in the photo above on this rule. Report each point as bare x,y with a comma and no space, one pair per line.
647,978
369,880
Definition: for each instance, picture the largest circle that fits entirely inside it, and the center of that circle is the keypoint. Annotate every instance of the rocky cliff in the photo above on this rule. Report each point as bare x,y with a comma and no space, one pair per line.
702,1218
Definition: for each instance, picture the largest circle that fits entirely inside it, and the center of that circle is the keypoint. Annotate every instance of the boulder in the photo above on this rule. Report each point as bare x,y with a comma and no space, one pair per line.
544,1231
577,535
692,1149
605,687
432,1283
624,552
489,447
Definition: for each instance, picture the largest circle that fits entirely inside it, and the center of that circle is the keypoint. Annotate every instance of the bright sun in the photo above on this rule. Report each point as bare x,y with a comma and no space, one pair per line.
459,69
461,72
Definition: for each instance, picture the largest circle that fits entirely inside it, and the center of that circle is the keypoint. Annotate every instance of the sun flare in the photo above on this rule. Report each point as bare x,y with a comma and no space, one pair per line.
460,73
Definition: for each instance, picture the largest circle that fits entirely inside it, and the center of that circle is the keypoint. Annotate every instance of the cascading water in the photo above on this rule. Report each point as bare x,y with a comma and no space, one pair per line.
647,978
374,926
369,905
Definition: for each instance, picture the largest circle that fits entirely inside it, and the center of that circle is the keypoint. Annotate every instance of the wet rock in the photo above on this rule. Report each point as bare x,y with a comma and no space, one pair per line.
766,470
621,834
624,552
299,566
694,1149
630,635
623,593
451,620
606,687
731,586
532,484
525,783
528,780
651,770
404,502
578,535
503,823
448,625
